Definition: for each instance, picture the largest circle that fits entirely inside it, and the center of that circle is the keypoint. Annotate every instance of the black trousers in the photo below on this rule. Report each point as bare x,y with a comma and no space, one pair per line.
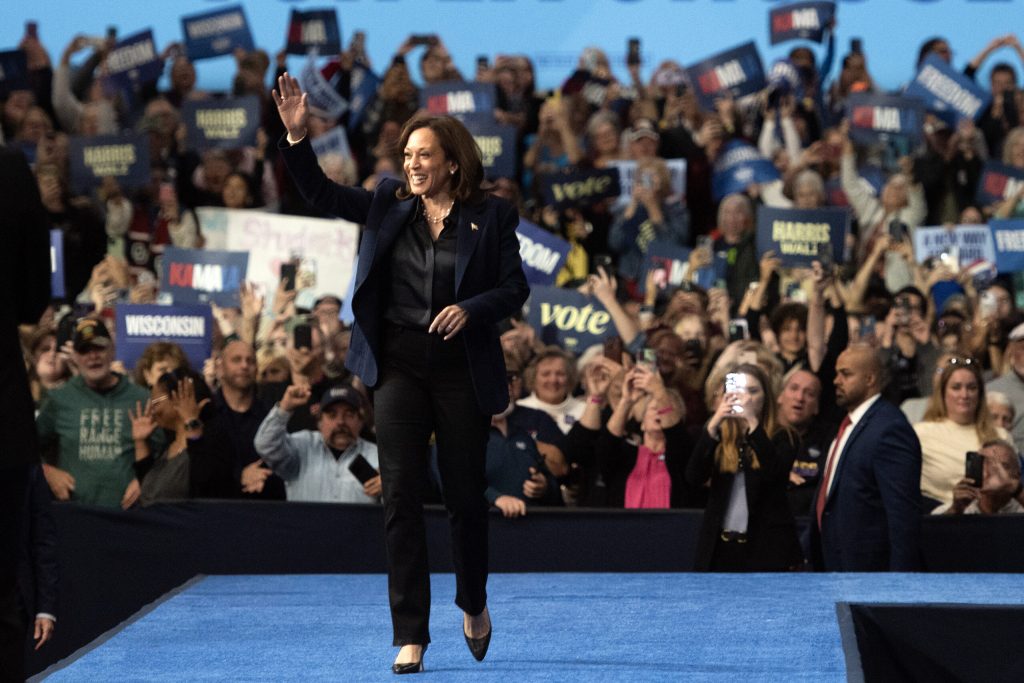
424,388
13,483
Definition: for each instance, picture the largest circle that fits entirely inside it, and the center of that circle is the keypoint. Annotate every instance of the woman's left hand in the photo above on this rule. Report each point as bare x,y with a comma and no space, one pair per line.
449,321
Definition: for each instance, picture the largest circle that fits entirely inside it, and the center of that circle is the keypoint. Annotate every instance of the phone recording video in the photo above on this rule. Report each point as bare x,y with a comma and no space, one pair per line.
735,383
975,467
303,336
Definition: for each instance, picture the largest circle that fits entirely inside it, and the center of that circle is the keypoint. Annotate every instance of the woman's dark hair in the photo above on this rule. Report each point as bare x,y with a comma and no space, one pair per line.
458,146
927,47
786,312
155,352
252,186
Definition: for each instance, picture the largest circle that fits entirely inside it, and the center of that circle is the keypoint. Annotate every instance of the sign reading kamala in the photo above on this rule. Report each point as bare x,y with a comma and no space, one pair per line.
319,93
199,276
57,265
139,325
580,188
738,166
122,157
881,117
567,318
543,253
497,145
799,236
947,91
666,263
216,33
801,21
1008,242
737,71
974,243
221,124
134,60
460,99
998,182
13,71
314,30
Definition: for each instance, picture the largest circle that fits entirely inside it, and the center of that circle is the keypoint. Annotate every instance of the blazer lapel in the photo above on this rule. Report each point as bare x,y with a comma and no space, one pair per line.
469,229
395,218
859,428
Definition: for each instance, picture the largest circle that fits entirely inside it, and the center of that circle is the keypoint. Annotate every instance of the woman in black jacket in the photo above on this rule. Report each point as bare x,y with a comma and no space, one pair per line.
747,524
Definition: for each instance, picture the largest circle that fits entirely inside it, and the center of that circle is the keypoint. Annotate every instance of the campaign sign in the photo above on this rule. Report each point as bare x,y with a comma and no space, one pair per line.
998,182
973,241
314,30
216,33
666,262
139,325
800,21
580,188
738,166
122,157
13,71
333,142
200,276
1008,243
799,236
945,90
569,319
463,100
737,71
497,145
320,94
543,254
221,124
875,118
363,85
57,264
134,60
627,178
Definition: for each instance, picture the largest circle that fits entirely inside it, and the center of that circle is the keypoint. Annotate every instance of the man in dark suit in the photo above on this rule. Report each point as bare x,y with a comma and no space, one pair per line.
24,294
868,506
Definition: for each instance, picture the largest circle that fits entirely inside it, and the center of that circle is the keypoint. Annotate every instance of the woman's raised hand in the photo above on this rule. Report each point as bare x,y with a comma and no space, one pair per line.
291,105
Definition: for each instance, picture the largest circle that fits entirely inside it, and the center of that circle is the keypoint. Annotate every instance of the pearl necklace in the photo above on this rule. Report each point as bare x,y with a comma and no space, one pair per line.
439,219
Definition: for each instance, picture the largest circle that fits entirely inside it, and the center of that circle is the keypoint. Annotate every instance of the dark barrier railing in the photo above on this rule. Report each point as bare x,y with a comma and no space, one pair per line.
112,562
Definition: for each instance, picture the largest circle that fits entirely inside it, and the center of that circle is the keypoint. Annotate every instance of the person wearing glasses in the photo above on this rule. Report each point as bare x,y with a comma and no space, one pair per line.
957,420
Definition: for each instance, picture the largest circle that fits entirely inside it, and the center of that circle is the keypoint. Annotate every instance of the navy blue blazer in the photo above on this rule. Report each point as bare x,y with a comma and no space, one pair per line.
872,517
489,281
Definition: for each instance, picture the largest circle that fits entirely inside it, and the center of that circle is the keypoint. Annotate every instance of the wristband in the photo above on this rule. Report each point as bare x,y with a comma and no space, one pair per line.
596,400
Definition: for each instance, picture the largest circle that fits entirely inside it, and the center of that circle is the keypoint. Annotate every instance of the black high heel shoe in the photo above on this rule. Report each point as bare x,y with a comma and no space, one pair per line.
410,667
478,646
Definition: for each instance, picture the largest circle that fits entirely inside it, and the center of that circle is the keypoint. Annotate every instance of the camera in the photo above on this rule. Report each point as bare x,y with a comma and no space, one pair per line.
735,383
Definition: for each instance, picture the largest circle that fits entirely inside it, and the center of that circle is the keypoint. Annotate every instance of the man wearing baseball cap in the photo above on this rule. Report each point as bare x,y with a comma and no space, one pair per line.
332,464
1011,382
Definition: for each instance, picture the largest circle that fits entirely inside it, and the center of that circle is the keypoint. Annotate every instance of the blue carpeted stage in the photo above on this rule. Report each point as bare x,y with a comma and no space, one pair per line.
548,627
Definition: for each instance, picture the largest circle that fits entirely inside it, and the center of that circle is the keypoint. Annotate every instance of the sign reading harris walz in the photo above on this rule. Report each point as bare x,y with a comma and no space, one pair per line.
134,61
737,72
948,92
497,145
221,124
314,30
139,325
465,101
567,318
800,21
998,182
122,157
799,236
216,33
879,118
580,188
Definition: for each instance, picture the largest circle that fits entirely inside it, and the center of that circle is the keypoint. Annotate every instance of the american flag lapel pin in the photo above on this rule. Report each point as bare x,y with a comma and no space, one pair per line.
474,226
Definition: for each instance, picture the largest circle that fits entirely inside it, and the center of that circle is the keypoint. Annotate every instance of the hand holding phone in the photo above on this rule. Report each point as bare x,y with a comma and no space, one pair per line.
975,468
362,470
288,271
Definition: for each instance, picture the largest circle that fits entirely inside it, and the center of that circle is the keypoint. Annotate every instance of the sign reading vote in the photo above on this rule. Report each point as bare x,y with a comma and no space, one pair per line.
134,60
57,265
666,264
199,276
122,157
465,101
737,72
1008,242
543,254
801,21
580,188
216,33
974,243
738,166
567,318
799,236
221,124
945,90
139,325
875,118
314,30
998,182
497,145
320,94
13,71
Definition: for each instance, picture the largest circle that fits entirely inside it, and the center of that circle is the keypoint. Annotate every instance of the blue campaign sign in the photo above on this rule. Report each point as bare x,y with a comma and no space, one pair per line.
334,141
57,264
800,21
738,166
875,118
13,71
122,157
460,99
567,318
946,91
134,61
139,325
216,33
363,85
314,30
972,242
320,94
221,124
497,145
737,71
580,188
998,182
666,263
200,276
543,254
799,236
1008,242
